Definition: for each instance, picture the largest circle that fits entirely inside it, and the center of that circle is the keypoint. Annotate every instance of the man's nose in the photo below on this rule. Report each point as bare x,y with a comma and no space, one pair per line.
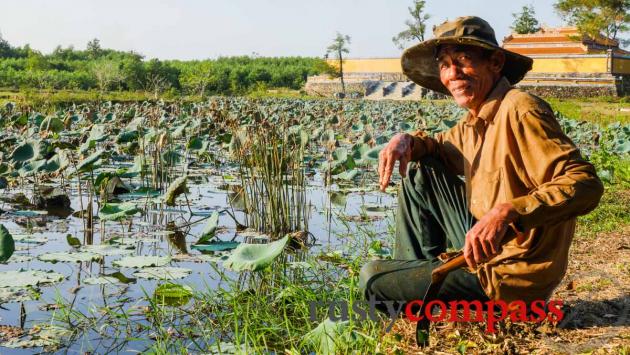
454,71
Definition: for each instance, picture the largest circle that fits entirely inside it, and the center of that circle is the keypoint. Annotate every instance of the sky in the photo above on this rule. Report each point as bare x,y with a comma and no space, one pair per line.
200,29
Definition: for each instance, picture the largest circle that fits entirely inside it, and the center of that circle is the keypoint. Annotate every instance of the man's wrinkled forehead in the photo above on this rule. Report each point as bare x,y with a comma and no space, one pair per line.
444,49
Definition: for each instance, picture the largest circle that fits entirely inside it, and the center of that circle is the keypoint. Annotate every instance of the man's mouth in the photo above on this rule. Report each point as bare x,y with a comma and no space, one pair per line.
460,89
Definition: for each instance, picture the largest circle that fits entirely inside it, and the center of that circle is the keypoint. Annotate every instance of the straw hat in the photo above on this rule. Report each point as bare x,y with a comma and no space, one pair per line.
419,64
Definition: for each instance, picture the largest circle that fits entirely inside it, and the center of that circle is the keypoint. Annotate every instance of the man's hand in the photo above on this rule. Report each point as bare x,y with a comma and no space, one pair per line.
483,240
398,148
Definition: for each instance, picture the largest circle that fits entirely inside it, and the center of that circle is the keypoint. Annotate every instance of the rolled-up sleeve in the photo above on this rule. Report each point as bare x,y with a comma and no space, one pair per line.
566,184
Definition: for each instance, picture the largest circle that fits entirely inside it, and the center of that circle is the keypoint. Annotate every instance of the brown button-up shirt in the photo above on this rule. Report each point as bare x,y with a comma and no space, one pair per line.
516,152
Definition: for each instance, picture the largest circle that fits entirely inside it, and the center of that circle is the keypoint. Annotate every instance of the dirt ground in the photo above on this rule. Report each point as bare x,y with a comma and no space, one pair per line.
595,290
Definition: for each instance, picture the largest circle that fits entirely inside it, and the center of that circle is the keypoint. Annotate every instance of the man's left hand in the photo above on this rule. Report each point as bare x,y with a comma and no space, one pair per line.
483,240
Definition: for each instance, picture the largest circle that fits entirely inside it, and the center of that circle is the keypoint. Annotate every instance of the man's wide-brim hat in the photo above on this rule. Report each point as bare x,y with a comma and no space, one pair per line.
420,65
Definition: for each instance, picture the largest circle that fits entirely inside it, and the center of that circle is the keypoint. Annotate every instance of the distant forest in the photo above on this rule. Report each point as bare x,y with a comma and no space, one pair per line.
97,68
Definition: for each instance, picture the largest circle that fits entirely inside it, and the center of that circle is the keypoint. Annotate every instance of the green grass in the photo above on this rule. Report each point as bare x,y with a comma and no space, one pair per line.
610,216
602,110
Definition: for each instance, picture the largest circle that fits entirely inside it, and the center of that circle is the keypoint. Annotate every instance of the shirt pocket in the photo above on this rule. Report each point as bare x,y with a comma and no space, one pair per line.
487,189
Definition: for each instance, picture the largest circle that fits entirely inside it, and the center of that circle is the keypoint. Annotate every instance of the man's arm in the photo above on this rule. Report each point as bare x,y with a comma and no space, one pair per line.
405,147
566,185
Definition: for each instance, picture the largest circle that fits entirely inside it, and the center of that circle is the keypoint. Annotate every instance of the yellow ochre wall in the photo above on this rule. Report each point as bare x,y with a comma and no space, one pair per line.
541,65
570,65
369,65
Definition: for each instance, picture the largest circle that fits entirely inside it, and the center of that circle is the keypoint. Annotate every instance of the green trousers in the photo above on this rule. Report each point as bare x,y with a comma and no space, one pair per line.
432,214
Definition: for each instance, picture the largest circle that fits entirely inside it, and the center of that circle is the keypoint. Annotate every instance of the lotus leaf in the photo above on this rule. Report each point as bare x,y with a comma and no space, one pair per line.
117,211
142,261
26,151
372,154
7,244
255,257
32,167
30,238
348,175
69,257
163,273
101,280
18,294
215,246
327,336
127,137
210,228
176,188
51,124
42,335
24,278
172,294
107,250
73,241
87,164
19,258
194,143
98,133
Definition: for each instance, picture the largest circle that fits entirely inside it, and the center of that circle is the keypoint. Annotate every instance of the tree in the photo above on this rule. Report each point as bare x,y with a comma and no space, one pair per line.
525,21
594,17
107,72
5,48
196,76
338,48
415,27
94,48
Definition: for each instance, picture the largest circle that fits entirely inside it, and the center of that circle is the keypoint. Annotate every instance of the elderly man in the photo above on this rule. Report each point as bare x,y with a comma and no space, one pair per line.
520,172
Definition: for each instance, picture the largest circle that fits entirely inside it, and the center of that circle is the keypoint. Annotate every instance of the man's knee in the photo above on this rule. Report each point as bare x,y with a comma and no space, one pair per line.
366,275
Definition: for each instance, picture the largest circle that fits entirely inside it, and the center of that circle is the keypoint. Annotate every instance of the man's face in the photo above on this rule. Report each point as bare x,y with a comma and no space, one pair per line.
467,74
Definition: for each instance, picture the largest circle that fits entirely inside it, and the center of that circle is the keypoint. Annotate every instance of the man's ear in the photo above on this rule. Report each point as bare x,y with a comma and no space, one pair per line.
497,60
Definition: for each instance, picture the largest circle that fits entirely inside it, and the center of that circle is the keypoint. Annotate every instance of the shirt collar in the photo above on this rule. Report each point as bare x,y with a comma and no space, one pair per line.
490,107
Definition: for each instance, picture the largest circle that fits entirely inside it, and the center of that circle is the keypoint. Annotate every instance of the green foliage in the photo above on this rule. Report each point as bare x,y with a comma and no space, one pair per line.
593,17
525,21
415,27
107,69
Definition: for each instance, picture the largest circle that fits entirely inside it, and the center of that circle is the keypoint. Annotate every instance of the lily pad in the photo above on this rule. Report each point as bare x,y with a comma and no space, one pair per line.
101,280
18,294
23,278
19,258
163,273
255,256
30,239
107,250
69,257
46,335
142,261
172,294
215,246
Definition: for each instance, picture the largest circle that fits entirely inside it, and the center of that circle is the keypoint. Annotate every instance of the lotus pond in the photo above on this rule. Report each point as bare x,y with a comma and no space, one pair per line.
204,227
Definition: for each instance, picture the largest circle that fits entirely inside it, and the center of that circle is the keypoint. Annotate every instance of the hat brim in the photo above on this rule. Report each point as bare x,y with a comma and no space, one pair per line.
419,65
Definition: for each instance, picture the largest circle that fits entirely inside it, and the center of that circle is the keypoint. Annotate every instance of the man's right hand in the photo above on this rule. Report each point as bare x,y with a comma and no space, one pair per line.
398,148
